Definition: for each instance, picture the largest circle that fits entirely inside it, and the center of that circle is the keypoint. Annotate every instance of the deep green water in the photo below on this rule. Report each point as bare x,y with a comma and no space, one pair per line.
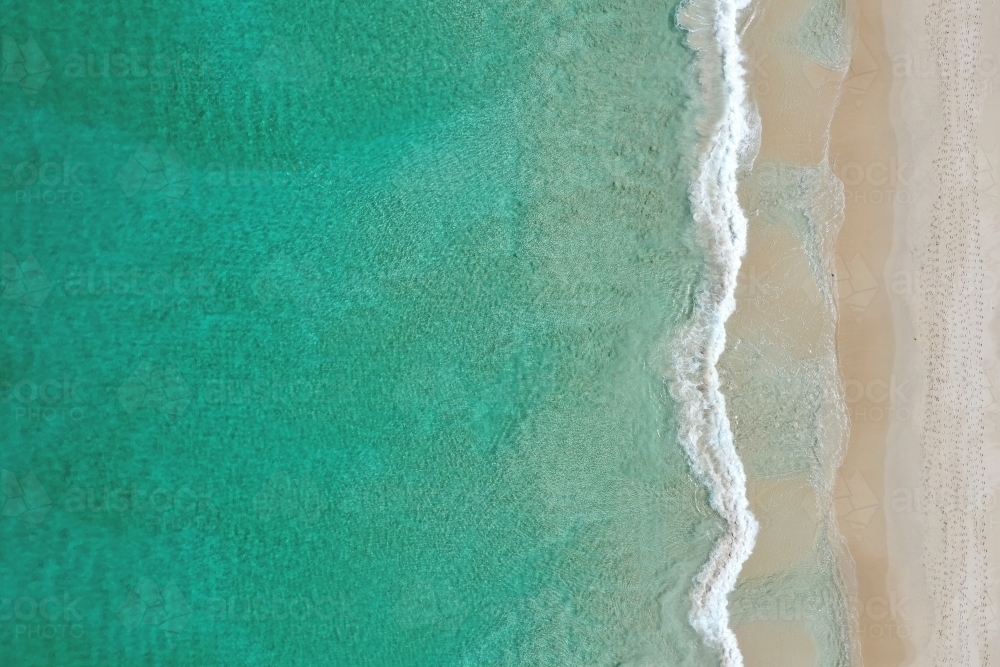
330,329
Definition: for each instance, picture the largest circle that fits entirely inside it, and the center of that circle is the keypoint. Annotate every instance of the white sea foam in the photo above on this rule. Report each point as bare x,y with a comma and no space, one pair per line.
730,138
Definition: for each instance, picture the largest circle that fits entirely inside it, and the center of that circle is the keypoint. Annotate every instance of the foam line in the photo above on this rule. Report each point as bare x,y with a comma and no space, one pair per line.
729,140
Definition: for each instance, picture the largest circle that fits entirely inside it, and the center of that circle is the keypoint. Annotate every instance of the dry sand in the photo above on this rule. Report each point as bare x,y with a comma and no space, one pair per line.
941,458
916,494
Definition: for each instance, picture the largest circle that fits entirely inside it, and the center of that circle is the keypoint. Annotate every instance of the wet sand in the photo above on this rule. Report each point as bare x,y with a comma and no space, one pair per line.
863,155
783,329
860,148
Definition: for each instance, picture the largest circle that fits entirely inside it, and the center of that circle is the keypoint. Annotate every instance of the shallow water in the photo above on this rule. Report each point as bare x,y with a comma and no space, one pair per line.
330,335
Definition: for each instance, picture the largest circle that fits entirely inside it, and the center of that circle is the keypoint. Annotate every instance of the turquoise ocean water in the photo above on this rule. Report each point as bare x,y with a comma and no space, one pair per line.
332,334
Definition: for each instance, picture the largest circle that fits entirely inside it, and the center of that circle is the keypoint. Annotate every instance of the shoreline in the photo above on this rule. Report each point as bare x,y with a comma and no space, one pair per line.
726,132
872,265
790,607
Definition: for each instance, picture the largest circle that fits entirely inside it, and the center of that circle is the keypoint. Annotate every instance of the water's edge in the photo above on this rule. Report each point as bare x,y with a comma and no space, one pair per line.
730,136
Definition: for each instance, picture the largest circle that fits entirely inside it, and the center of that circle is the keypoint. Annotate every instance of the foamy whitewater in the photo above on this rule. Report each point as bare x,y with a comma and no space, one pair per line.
730,137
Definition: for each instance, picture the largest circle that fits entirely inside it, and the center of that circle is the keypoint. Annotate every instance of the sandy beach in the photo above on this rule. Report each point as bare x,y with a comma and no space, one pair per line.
941,460
781,356
863,155
915,495
915,266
